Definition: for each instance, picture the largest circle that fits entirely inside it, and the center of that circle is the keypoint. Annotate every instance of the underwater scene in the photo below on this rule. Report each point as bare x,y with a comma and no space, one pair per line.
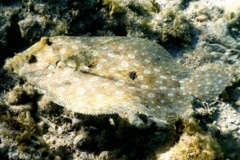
120,80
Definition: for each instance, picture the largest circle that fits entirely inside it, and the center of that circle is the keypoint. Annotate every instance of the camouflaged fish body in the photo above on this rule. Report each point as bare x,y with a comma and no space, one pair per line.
105,75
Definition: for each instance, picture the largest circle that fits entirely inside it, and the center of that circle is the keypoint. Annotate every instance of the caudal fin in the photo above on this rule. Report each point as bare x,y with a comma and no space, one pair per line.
206,84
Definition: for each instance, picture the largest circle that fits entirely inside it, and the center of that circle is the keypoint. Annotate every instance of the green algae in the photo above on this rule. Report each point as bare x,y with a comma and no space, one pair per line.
193,143
173,27
23,133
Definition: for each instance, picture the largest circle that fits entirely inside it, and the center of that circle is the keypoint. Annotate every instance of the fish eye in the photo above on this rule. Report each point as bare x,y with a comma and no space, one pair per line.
31,58
133,75
45,40
48,42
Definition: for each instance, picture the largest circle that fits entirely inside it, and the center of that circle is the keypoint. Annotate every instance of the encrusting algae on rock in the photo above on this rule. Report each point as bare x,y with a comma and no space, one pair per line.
106,75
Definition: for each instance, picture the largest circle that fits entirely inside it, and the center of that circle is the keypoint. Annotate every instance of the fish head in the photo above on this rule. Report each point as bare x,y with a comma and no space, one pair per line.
37,60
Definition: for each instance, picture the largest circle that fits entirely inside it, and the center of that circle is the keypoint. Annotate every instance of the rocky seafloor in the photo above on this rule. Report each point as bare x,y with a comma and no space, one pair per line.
194,32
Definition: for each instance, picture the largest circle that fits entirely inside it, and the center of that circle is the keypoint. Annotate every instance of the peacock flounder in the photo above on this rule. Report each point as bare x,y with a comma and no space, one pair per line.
106,75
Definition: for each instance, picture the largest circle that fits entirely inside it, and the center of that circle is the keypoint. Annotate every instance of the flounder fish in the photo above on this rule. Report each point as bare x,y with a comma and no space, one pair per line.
107,75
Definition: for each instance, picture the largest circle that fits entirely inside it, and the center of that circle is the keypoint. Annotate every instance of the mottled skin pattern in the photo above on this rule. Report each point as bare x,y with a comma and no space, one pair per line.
105,75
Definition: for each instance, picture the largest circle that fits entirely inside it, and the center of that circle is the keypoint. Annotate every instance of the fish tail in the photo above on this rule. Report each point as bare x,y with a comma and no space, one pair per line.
206,85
